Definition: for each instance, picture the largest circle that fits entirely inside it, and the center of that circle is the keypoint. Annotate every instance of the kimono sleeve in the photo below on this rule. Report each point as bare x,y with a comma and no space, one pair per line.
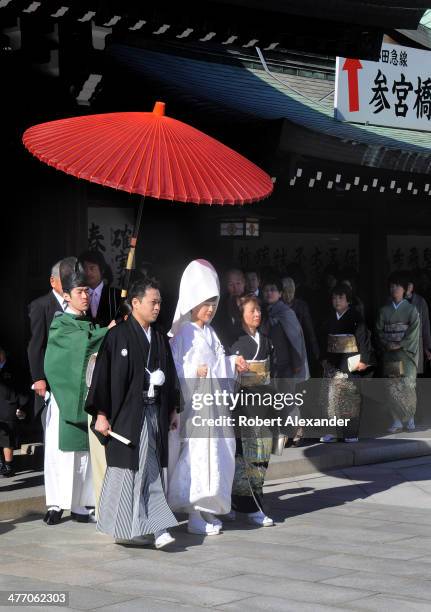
184,354
224,367
271,353
171,378
293,332
363,340
99,395
380,326
8,403
97,335
309,333
410,342
236,349
426,331
175,345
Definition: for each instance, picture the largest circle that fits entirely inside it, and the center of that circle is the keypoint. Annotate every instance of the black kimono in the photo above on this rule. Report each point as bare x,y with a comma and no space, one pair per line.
10,401
133,501
351,323
246,346
253,445
344,338
118,383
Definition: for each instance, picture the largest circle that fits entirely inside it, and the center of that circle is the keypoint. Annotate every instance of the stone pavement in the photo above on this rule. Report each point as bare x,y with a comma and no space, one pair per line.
351,539
25,493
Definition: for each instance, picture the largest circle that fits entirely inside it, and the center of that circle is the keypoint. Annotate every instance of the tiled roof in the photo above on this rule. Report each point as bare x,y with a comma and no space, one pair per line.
255,92
426,19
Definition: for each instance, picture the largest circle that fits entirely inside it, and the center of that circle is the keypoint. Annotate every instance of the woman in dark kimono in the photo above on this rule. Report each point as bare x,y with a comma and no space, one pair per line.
254,444
348,354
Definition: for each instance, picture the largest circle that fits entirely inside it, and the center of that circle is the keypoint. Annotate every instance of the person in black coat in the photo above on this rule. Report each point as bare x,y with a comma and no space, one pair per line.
133,393
12,405
227,321
104,300
41,312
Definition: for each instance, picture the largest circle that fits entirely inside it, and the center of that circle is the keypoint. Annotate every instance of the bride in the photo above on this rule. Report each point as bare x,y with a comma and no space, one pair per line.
201,480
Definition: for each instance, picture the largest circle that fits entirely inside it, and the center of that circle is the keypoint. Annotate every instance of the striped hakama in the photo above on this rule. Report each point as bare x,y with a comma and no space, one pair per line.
133,503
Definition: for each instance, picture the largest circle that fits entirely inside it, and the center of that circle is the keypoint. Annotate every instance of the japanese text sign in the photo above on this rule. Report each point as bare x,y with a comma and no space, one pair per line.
395,91
109,232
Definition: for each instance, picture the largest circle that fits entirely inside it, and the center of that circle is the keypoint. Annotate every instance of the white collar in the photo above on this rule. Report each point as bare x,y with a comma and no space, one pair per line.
342,314
59,298
205,331
202,328
68,310
256,336
147,332
396,306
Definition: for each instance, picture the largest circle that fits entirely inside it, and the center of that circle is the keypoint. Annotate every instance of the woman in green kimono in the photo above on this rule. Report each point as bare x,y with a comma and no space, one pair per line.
398,331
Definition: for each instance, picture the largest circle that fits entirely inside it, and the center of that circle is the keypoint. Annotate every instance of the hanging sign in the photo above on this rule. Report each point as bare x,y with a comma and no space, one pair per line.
394,92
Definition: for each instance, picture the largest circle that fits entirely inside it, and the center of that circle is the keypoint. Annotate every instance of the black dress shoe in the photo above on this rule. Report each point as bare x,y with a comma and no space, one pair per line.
6,470
83,518
53,517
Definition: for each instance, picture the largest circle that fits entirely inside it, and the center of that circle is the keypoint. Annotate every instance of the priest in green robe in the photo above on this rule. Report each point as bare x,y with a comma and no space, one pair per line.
72,340
398,331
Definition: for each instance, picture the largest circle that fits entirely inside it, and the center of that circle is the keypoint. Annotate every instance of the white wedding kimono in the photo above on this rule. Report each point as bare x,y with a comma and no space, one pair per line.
203,475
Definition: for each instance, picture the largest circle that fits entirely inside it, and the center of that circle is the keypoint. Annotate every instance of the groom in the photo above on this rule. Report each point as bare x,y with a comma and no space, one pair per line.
133,393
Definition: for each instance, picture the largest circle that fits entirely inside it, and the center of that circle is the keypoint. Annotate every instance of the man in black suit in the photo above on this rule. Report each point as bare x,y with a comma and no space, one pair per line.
228,319
41,312
104,300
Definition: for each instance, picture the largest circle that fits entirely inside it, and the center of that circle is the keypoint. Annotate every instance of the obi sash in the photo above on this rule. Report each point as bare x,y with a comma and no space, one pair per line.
258,374
394,332
345,343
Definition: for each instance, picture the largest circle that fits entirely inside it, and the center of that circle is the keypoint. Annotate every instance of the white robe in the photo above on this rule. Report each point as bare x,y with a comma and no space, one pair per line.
68,478
203,475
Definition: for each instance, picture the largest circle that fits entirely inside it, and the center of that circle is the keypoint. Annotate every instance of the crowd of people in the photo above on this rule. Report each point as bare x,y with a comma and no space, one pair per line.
326,336
114,391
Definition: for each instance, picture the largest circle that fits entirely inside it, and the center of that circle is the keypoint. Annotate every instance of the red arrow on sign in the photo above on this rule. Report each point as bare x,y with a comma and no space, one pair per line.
352,66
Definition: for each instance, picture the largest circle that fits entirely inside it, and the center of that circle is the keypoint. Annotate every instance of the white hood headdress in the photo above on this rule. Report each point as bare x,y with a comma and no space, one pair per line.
199,283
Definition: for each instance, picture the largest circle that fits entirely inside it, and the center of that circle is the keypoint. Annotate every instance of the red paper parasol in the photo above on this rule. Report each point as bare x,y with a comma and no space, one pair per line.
149,154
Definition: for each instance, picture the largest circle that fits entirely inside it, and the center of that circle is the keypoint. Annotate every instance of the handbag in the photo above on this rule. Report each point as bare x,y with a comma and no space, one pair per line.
258,373
393,369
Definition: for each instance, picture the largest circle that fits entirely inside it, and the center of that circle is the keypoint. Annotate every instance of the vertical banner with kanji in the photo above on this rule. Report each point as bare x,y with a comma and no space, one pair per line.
409,252
394,91
109,231
312,252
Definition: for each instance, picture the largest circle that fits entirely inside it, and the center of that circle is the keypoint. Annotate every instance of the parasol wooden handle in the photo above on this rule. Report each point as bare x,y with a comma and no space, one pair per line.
132,248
